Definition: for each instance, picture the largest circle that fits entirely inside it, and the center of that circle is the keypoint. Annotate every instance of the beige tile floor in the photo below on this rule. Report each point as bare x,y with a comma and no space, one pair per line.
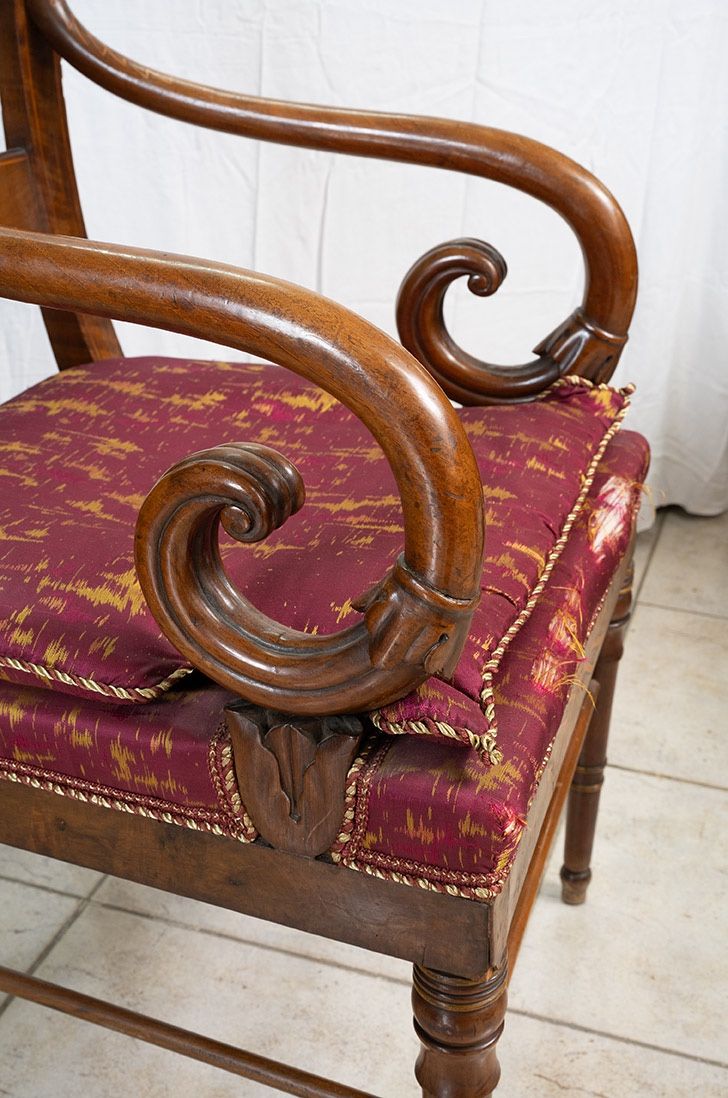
626,996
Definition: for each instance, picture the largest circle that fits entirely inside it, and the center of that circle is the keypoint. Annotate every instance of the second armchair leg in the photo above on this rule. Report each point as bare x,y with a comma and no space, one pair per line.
458,1022
583,805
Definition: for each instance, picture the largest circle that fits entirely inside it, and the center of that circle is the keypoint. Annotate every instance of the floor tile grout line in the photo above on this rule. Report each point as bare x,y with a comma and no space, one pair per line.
404,983
43,887
667,777
50,946
686,610
562,1023
396,980
179,925
197,929
80,908
85,902
617,1037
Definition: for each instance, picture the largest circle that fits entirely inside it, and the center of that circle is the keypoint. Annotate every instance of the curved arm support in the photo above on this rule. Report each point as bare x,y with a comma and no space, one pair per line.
588,342
577,346
416,619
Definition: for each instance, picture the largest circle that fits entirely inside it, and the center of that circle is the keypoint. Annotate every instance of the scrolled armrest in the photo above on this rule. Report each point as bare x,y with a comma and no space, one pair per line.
577,346
588,342
415,620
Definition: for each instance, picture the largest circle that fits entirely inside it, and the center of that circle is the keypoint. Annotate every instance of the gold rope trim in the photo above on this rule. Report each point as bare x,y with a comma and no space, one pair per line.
466,892
350,798
584,383
487,694
496,880
222,772
135,804
486,742
407,873
106,690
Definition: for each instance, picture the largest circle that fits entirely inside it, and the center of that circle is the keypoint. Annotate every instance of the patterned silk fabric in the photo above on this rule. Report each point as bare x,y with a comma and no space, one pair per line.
420,810
81,450
427,814
169,759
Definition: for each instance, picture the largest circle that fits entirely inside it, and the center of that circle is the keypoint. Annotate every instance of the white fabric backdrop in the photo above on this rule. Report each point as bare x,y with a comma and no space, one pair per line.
634,89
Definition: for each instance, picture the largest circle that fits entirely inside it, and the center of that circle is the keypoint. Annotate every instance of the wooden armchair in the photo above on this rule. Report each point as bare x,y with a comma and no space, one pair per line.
388,767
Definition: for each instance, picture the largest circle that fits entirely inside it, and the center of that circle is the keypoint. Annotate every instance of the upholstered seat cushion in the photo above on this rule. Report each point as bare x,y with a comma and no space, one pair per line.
427,812
81,450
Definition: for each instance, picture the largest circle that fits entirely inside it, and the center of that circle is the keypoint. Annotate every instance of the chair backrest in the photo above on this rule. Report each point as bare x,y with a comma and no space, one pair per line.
38,192
38,189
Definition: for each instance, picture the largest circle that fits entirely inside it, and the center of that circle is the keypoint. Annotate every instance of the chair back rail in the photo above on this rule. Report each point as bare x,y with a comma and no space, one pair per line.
34,118
18,201
589,341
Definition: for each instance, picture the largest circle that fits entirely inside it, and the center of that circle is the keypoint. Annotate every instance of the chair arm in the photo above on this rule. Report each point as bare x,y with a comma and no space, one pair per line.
588,342
416,619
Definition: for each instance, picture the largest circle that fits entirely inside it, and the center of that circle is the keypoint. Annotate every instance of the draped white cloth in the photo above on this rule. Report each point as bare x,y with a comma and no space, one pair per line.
634,89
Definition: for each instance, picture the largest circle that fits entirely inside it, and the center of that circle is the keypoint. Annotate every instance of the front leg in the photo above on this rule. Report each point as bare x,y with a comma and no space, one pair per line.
583,807
458,1022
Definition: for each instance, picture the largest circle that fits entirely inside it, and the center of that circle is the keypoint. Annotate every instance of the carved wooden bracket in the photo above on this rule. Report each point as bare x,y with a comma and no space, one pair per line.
578,346
292,774
412,624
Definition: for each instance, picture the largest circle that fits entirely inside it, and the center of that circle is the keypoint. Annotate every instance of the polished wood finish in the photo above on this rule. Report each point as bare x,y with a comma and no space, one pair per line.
34,118
430,928
259,1069
416,620
583,807
511,908
292,774
458,1023
18,208
589,341
292,747
544,834
577,346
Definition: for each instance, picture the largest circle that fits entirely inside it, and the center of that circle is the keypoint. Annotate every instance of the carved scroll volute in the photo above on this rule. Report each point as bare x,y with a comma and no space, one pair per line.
409,630
577,346
292,774
417,620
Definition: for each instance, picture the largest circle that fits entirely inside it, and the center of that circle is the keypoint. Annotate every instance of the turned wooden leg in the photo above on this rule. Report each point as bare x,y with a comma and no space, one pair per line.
583,806
458,1022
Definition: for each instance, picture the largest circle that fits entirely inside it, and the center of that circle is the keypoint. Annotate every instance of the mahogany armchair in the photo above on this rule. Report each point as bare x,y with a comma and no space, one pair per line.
388,766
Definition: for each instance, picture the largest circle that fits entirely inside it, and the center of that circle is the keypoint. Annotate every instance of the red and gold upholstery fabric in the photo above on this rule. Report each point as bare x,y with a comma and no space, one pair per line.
420,810
423,813
81,450
169,759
